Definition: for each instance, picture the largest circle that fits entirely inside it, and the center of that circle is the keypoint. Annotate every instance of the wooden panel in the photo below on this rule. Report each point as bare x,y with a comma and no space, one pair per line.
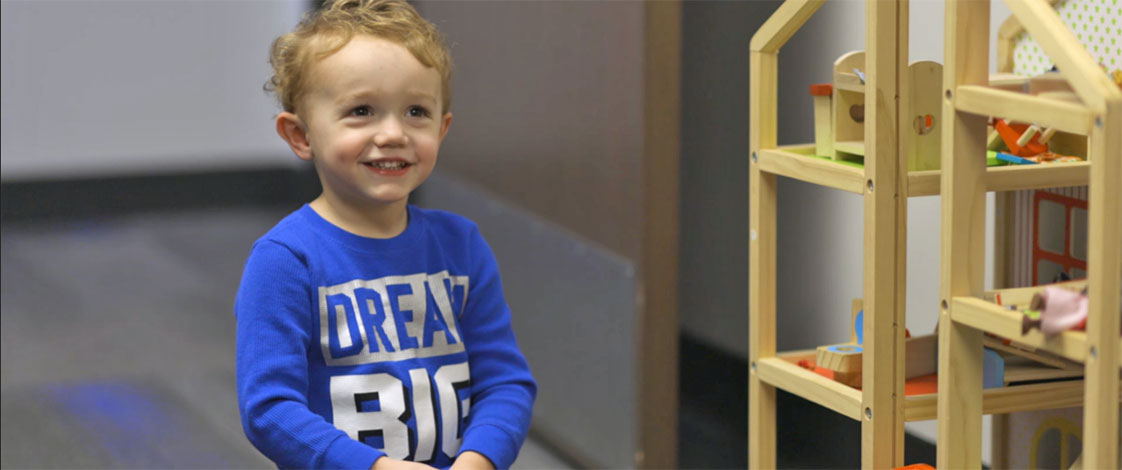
1046,112
840,398
882,423
963,233
813,170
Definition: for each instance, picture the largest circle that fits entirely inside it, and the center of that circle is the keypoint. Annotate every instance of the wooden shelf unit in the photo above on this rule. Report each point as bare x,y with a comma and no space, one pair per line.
880,405
964,314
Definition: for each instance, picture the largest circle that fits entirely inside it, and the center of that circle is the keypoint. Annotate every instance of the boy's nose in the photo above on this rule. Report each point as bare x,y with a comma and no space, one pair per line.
389,133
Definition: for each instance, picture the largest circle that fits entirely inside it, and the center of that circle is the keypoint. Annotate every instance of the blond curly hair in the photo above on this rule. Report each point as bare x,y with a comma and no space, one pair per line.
326,30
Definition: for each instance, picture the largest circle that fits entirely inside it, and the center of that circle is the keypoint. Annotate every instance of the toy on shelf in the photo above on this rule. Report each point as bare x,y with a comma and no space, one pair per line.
1003,361
1022,140
1056,309
844,359
1026,144
839,112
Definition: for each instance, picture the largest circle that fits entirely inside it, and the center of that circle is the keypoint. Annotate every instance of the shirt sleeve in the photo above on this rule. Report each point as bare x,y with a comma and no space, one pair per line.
502,389
274,324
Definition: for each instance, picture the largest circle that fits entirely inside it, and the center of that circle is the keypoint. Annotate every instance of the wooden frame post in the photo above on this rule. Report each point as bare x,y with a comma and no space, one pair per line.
1104,276
762,102
761,256
885,200
962,251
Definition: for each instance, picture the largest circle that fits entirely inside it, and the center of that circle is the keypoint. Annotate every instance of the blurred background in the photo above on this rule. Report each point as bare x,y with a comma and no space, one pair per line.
600,145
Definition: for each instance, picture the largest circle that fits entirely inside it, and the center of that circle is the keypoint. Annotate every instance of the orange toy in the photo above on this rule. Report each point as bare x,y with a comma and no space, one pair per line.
1011,133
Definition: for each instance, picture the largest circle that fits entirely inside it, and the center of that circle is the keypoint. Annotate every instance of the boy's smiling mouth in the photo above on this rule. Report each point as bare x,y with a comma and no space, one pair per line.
388,166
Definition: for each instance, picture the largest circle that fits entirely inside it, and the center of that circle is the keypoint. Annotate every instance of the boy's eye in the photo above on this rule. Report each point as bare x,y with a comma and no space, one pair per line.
417,111
361,111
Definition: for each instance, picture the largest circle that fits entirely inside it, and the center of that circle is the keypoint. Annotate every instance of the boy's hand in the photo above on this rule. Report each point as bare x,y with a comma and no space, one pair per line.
386,463
469,460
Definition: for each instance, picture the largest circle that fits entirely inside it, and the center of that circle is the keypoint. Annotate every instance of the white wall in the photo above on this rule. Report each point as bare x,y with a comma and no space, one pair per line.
122,87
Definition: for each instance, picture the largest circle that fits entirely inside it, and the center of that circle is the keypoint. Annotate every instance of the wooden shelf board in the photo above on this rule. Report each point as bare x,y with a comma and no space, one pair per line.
995,319
1046,175
785,375
811,169
1043,396
782,372
799,162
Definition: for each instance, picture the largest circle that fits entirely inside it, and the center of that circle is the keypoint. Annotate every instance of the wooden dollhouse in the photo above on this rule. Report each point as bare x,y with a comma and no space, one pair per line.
885,134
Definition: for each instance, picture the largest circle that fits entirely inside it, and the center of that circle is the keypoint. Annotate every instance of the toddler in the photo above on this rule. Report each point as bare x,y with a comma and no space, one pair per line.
372,333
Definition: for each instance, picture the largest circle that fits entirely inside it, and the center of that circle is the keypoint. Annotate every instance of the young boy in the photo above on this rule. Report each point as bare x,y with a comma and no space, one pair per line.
371,333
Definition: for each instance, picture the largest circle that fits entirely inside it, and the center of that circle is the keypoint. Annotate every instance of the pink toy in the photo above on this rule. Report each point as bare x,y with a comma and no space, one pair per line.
1060,310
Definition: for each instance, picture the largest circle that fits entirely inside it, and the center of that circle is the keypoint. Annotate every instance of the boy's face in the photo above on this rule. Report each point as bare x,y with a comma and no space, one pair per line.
373,123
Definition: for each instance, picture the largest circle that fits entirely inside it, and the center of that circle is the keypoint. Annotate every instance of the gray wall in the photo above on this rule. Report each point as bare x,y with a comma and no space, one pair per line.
547,100
817,229
120,87
549,103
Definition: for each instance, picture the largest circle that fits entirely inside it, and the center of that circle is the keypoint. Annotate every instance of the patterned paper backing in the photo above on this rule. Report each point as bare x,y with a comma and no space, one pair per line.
1096,23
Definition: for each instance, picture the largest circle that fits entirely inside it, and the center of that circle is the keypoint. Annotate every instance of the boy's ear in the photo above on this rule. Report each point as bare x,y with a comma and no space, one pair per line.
291,128
445,121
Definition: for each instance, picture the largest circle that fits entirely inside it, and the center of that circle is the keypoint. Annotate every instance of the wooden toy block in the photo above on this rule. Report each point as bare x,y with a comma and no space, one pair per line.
856,308
844,360
822,94
849,106
925,109
843,357
921,101
920,356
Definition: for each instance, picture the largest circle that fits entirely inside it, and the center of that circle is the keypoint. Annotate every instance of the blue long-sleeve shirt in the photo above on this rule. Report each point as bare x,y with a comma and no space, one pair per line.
351,348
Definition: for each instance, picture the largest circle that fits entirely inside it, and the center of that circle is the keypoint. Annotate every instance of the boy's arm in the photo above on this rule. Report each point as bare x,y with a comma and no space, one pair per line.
469,460
274,327
502,390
